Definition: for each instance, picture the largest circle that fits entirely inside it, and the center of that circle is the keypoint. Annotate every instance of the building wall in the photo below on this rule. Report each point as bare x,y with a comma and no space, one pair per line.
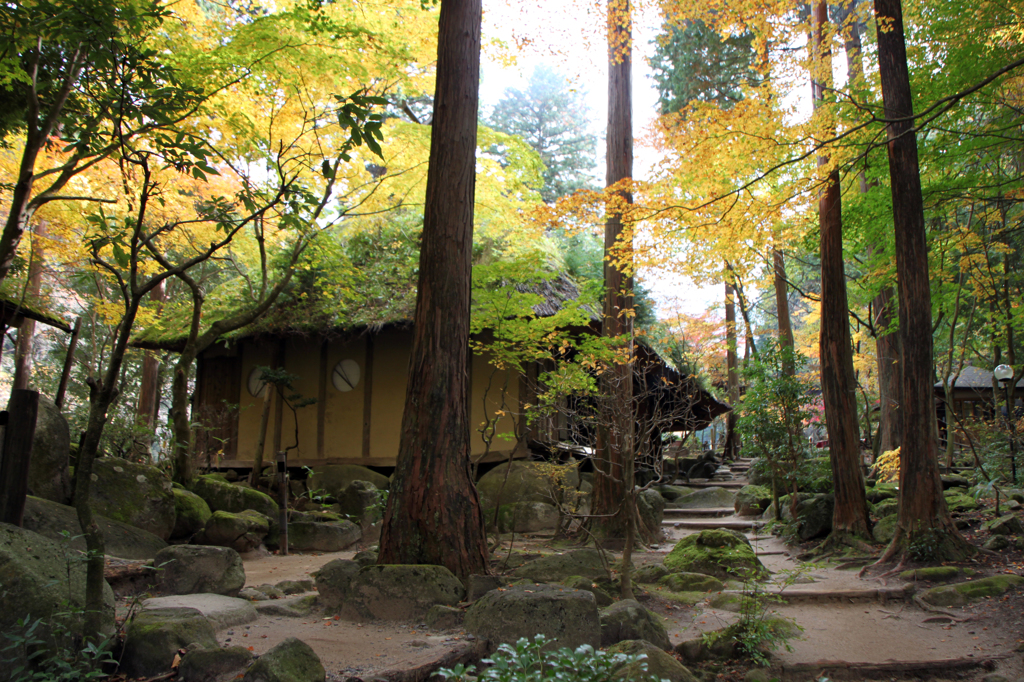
342,414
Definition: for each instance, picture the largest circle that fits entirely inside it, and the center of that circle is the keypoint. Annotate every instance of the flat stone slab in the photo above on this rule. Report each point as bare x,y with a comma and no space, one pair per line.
222,612
713,511
711,484
712,524
292,607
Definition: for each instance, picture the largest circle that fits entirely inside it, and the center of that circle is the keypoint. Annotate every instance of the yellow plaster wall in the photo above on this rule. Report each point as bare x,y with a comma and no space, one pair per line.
250,408
302,359
343,417
390,374
482,376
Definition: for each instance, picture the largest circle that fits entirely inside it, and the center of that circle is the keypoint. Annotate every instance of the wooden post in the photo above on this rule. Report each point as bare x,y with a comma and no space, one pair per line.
17,452
68,362
282,480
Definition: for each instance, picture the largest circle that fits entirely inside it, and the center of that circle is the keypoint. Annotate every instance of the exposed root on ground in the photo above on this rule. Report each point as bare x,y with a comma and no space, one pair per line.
934,609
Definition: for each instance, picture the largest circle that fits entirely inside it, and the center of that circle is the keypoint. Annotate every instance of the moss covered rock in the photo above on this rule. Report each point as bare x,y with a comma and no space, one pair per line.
188,569
400,592
333,581
1004,525
961,594
153,638
658,664
752,500
223,496
960,503
60,523
520,481
290,661
523,517
650,573
707,498
602,591
323,537
242,532
672,493
209,665
554,568
651,508
814,516
191,513
691,582
135,494
567,617
884,530
885,508
360,501
718,553
34,580
335,478
48,473
627,619
936,574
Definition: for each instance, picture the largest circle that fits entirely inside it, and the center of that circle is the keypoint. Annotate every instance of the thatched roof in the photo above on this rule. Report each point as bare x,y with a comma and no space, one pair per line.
975,378
15,308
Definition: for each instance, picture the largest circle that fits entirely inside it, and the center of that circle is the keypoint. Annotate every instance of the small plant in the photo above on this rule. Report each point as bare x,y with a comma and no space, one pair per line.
887,466
62,656
528,662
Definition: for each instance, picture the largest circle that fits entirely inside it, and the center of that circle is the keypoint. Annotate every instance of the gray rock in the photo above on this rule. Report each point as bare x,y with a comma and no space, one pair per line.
252,594
123,541
1005,525
334,580
334,478
213,665
271,591
188,569
322,537
752,500
997,543
360,501
290,661
191,513
479,585
886,507
295,586
814,516
400,592
757,475
289,607
242,532
568,617
650,505
34,573
673,493
707,498
524,517
691,582
366,557
601,595
650,573
222,612
153,638
660,665
627,619
555,568
525,482
135,494
961,594
48,475
884,529
441,617
223,496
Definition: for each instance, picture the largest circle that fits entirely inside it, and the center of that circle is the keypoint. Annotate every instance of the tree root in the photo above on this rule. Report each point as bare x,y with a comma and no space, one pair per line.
934,609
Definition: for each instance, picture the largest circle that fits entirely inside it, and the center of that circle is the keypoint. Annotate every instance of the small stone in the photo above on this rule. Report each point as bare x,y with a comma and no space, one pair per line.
997,543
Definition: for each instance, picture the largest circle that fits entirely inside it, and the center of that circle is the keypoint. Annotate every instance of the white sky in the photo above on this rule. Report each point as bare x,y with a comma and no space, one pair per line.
569,36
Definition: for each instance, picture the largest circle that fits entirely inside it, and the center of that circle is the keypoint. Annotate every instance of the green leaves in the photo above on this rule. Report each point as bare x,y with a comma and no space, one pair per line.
356,115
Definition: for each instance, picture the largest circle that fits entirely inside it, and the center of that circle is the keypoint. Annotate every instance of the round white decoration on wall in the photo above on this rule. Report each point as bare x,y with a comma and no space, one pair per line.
345,375
257,387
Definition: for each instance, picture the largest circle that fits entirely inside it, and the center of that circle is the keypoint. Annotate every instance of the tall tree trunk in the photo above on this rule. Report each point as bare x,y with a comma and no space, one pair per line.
785,326
433,514
614,459
731,449
838,385
923,522
26,332
149,395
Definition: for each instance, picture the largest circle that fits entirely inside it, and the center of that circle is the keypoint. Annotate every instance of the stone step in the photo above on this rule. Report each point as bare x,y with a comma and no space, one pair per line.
712,511
710,484
712,524
803,595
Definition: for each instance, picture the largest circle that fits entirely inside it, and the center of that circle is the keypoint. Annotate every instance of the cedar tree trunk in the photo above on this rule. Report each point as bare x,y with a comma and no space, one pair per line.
613,464
924,527
731,449
838,385
433,514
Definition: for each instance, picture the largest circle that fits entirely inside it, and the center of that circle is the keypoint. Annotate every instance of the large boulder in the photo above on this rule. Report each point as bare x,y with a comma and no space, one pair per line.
961,594
524,517
758,473
520,481
958,503
752,500
673,493
660,665
221,496
650,505
153,638
717,553
188,569
242,532
707,498
554,568
814,516
290,661
400,592
60,522
335,478
627,619
136,494
567,617
222,612
1004,525
884,530
691,582
213,665
48,474
361,502
333,581
310,536
34,581
191,513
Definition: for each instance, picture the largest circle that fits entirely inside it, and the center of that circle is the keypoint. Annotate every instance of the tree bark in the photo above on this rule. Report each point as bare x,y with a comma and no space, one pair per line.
838,385
149,395
26,332
433,514
785,326
613,463
923,524
731,449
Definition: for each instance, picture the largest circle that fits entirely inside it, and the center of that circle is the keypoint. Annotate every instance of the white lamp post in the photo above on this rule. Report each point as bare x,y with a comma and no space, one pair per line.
1004,375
